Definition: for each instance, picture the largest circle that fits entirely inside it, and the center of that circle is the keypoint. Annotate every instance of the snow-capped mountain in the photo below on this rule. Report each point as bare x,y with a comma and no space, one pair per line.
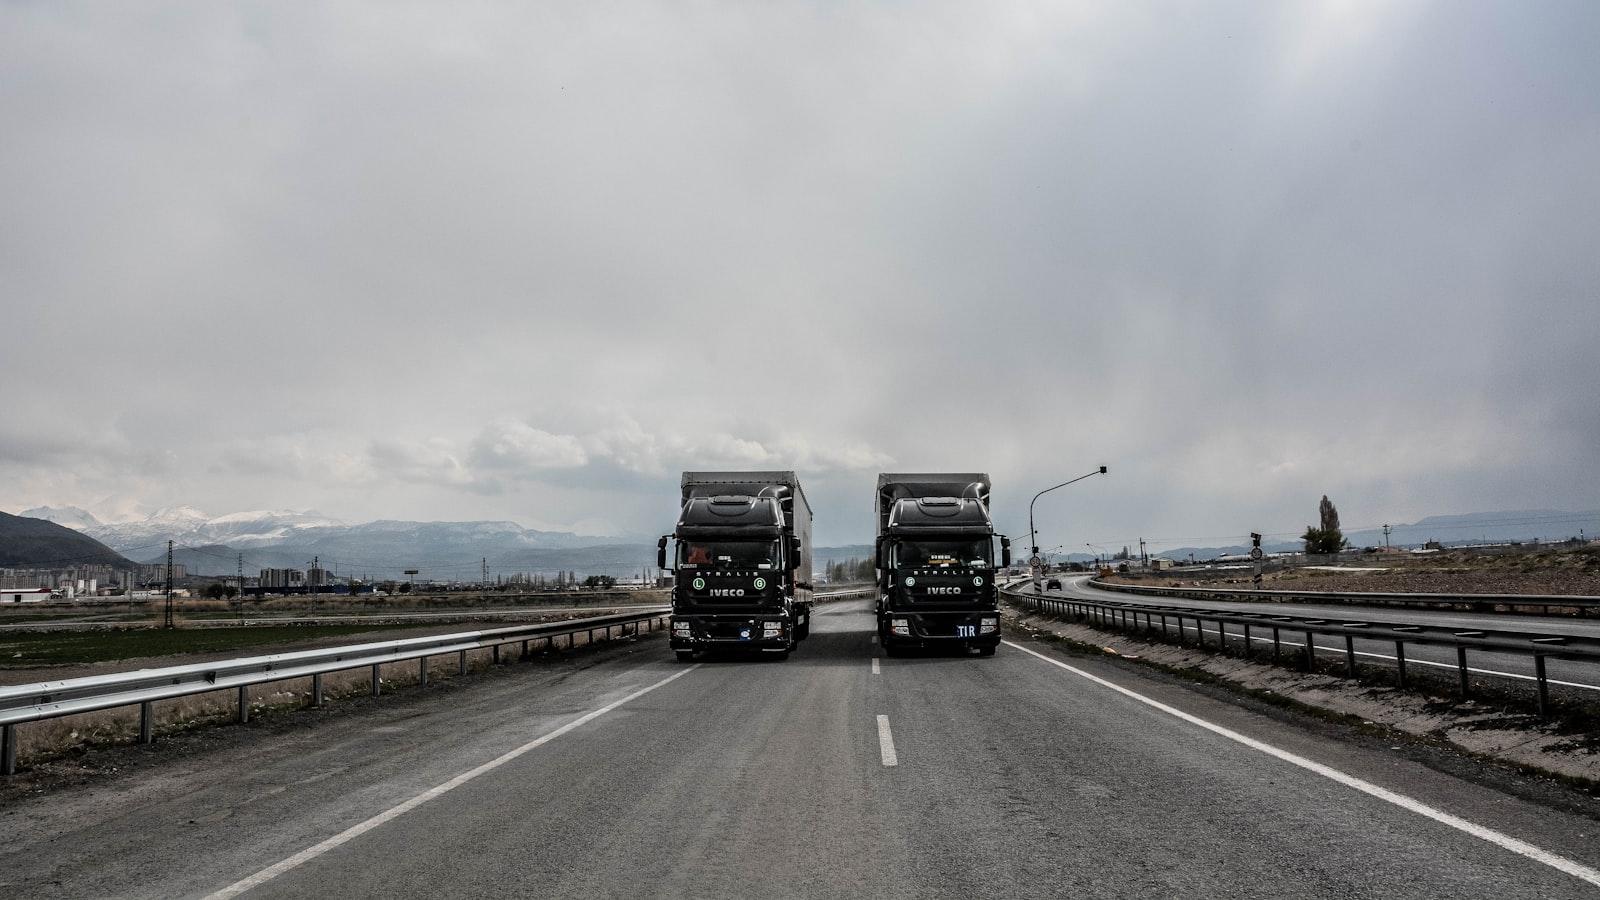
187,525
70,516
314,532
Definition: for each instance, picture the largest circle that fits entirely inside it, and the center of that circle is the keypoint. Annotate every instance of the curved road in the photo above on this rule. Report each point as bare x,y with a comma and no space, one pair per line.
1571,674
835,774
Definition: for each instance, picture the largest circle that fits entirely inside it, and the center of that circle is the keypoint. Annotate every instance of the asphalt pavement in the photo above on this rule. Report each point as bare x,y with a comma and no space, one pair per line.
835,774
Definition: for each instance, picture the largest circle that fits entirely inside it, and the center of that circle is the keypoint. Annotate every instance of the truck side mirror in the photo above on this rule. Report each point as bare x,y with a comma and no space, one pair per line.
661,552
877,554
794,553
1005,552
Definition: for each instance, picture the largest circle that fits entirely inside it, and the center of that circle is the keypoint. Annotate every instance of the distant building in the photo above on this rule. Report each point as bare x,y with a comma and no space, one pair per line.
318,577
282,578
150,574
24,595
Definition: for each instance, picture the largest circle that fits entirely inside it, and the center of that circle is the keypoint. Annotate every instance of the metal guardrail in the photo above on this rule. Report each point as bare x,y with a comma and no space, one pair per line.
1127,617
144,687
856,591
1538,604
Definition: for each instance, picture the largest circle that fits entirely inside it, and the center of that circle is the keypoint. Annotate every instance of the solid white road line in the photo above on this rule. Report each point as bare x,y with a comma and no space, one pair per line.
1522,848
875,669
354,831
886,743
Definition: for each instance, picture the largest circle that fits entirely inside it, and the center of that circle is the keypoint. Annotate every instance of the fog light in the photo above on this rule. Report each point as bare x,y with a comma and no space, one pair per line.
771,632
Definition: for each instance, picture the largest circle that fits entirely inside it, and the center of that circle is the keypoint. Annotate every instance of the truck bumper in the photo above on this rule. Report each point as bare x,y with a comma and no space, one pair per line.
976,628
731,633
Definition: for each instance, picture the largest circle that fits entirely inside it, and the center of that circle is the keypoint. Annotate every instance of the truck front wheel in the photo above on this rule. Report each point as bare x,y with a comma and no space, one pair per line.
684,655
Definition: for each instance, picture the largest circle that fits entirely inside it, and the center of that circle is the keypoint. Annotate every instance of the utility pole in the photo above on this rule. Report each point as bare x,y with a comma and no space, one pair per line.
316,568
168,622
241,589
1386,530
1144,560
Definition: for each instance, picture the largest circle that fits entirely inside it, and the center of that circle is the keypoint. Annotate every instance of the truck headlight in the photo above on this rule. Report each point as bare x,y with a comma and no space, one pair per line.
988,625
680,628
771,626
900,626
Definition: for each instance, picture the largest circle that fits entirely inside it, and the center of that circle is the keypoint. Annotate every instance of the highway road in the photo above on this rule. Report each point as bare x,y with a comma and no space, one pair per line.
1572,675
835,774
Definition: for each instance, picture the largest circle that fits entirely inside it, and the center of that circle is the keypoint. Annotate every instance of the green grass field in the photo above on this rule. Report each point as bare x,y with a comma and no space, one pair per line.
24,650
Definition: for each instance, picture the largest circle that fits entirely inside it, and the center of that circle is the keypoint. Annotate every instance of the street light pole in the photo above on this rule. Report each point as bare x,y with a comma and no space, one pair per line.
1033,534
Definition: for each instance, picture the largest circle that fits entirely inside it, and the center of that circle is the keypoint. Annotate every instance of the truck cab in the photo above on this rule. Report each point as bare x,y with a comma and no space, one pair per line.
740,581
936,569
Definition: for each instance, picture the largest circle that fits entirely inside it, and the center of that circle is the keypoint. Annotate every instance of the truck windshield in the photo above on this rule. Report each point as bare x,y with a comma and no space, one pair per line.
728,554
922,554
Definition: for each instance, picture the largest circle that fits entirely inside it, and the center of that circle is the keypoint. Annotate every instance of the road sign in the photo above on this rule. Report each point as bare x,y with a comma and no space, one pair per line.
1255,553
1036,562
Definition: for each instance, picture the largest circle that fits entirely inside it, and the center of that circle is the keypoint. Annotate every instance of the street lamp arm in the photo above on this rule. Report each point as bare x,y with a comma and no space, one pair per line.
1033,536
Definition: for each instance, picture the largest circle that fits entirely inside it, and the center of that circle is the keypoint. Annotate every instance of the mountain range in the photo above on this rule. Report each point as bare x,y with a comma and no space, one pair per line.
26,542
1466,529
211,545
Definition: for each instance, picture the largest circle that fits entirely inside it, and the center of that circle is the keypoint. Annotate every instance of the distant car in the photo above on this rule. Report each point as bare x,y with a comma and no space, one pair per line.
1053,584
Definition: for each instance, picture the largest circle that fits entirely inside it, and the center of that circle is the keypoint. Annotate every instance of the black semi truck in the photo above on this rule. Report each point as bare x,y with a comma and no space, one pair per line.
935,560
742,565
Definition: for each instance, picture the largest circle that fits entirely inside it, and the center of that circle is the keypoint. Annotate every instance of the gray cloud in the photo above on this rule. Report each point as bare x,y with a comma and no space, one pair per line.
507,263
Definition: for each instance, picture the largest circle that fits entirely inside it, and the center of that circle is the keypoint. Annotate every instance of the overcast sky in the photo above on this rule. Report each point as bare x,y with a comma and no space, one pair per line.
457,261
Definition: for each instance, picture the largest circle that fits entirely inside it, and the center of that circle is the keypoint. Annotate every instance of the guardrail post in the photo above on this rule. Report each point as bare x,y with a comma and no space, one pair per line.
1200,632
1311,652
1247,653
524,649
1277,645
422,671
461,663
376,681
316,689
8,750
244,703
1544,684
497,654
1400,661
1350,655
1461,666
147,723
